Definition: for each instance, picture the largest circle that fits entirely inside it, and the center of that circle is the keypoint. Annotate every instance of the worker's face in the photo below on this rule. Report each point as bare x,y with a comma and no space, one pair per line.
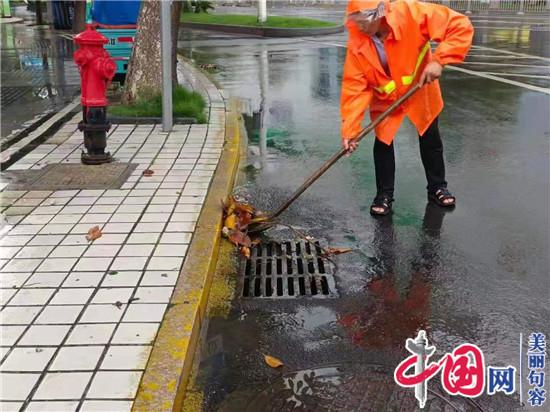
368,21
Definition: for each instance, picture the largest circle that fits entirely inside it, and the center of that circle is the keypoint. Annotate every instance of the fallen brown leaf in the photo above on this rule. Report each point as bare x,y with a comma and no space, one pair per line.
272,361
245,251
148,172
93,233
337,250
231,222
239,238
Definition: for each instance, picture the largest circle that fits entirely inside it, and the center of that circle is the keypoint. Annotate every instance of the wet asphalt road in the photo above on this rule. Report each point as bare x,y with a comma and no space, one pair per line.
477,274
38,74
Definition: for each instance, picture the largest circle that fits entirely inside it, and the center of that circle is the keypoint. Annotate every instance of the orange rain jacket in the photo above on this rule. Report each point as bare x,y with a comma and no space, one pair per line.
413,24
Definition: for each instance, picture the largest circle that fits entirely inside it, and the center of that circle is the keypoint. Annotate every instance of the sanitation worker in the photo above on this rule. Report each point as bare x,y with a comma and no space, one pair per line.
387,52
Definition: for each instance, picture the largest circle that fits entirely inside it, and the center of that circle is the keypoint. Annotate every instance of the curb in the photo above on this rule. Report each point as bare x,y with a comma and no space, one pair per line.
148,120
265,31
26,140
165,379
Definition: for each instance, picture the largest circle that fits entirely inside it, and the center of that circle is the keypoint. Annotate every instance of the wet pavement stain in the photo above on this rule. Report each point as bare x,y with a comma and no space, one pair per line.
38,72
477,274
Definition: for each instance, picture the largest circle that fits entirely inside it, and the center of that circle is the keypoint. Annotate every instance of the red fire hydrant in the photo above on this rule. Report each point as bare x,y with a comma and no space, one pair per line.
96,72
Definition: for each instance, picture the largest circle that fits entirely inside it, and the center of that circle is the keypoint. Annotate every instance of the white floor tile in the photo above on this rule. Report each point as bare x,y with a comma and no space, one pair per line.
13,280
175,250
45,335
52,406
10,406
17,386
27,360
180,238
149,227
18,315
63,385
165,263
121,278
118,228
31,297
145,312
7,252
22,265
65,314
111,239
129,263
136,250
57,265
10,334
112,295
77,358
108,313
87,264
98,250
68,251
83,279
5,295
143,238
86,334
46,279
160,278
72,296
143,333
34,252
154,294
126,357
109,385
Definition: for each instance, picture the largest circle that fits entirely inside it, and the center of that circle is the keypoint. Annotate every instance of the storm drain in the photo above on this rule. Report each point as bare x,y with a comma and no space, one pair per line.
287,270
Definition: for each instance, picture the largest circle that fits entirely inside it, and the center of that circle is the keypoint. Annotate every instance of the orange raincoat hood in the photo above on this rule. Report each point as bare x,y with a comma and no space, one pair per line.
365,83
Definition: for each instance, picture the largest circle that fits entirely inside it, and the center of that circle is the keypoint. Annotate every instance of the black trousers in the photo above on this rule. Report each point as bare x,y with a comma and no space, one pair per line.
431,153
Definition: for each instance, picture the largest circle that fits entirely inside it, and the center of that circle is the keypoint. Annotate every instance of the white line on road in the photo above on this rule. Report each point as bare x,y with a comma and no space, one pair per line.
471,72
532,66
502,80
512,53
501,56
530,76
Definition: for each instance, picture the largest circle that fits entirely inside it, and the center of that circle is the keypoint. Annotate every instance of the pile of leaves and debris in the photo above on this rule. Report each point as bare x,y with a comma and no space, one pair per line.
239,217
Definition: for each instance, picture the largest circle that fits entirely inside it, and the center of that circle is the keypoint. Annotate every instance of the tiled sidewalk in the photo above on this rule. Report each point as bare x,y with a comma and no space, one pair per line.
79,318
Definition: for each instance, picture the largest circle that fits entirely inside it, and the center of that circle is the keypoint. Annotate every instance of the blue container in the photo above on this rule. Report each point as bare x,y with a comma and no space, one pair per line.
117,20
120,46
115,12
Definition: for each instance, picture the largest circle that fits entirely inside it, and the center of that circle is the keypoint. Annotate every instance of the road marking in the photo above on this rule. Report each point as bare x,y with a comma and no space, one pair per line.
471,72
501,79
532,66
503,56
529,76
511,53
541,22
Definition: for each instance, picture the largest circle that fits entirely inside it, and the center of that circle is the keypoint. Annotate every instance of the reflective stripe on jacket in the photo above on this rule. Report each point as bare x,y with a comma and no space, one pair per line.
365,83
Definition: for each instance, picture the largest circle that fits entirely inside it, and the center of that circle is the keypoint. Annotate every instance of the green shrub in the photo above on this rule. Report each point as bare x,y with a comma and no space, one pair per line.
185,104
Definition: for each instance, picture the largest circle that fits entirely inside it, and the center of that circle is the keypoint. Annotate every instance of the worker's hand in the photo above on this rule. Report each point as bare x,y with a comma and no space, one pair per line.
349,145
431,72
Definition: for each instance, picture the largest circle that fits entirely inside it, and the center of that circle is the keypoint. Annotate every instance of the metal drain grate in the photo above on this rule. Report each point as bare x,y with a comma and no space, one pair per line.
290,269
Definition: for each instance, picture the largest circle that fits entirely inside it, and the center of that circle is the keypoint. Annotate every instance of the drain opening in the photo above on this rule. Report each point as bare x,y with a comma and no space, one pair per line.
290,269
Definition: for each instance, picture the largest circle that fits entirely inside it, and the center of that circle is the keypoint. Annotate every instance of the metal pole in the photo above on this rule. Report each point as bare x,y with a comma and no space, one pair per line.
262,11
469,7
264,106
166,57
521,7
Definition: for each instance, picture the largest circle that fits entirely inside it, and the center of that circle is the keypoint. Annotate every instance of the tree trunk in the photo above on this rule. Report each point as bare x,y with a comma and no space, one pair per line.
144,71
38,11
176,17
79,19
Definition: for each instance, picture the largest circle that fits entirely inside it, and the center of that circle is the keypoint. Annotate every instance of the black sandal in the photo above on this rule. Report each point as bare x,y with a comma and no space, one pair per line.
441,195
381,201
